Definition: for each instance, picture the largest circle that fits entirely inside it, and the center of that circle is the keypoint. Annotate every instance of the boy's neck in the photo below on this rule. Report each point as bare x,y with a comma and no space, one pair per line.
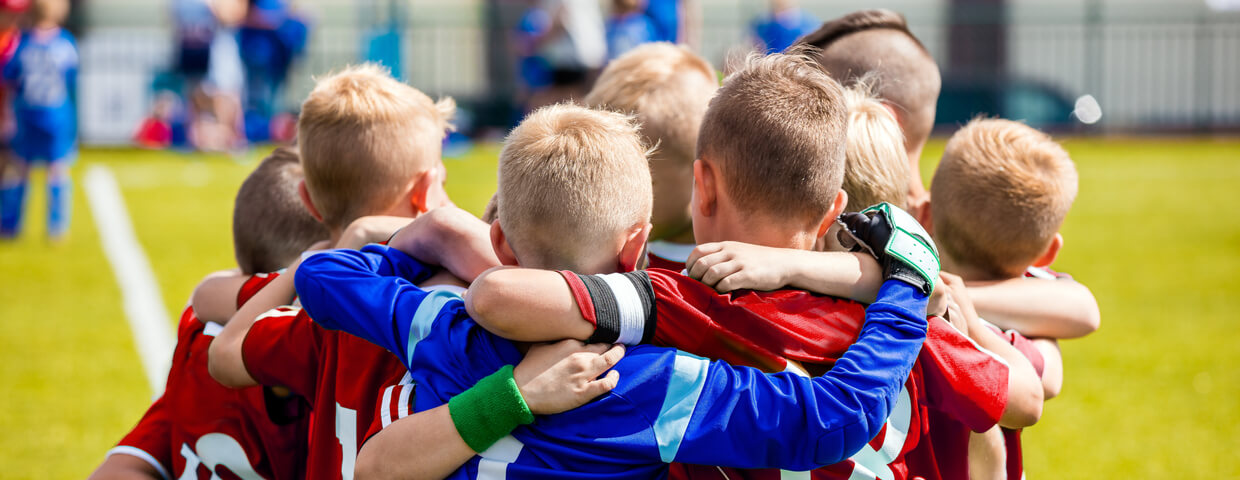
760,231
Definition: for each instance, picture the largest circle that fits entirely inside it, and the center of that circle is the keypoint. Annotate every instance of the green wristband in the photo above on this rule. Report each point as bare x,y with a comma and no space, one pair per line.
489,410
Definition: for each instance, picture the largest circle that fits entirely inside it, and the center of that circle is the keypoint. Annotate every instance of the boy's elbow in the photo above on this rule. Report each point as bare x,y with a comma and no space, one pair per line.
483,300
223,360
1024,409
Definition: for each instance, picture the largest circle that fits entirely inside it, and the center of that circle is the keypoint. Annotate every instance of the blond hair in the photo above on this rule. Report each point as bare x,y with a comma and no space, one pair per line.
363,136
570,180
667,87
999,195
876,167
775,129
271,226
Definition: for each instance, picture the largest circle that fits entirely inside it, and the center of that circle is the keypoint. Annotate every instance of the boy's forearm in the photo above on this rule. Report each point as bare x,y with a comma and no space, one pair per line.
854,276
1038,307
226,359
526,305
449,237
1052,367
1024,399
215,298
121,466
423,445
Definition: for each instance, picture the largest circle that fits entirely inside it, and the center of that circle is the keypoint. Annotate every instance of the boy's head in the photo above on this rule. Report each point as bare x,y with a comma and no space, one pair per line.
271,227
876,168
771,154
49,11
371,145
998,198
574,192
667,88
878,44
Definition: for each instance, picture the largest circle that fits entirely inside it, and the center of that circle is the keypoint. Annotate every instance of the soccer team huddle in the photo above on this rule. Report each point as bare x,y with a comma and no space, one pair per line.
677,277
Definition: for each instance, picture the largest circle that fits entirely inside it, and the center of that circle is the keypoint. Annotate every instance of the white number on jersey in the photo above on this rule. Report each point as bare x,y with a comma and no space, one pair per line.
215,450
346,433
871,463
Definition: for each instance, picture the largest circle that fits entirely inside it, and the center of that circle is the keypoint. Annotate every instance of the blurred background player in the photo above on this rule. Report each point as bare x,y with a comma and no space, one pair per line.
11,12
198,423
627,27
43,76
782,26
668,88
271,36
560,46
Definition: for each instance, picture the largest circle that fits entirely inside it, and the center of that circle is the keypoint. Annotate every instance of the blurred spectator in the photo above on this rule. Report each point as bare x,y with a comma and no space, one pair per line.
560,46
628,27
270,38
786,23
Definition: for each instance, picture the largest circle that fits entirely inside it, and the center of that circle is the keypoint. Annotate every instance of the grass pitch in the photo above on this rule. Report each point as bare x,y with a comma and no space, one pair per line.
1155,233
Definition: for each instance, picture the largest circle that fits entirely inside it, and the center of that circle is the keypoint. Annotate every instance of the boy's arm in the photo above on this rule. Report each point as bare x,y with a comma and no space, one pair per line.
1036,307
729,266
787,421
987,454
1024,396
121,466
226,358
215,297
369,293
1052,369
449,237
371,229
551,378
526,305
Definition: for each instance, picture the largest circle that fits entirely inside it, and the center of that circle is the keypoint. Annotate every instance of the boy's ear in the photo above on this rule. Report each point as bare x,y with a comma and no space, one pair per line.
499,243
305,200
633,253
925,218
420,192
705,195
837,207
1052,251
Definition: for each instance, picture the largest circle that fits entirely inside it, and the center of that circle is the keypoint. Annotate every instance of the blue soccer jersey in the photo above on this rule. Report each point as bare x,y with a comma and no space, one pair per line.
669,405
43,74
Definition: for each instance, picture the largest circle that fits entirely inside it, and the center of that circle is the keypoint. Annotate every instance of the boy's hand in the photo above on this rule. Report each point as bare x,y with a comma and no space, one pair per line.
561,376
368,230
961,305
451,238
729,266
900,244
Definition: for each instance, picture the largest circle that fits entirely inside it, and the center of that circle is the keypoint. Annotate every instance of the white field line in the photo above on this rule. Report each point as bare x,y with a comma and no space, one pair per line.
144,309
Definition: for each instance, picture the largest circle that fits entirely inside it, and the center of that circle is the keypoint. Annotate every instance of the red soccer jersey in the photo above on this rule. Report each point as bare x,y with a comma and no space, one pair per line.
337,373
393,403
766,329
201,426
668,255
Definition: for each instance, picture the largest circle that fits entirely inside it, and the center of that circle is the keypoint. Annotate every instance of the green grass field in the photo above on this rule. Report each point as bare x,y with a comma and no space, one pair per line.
1155,232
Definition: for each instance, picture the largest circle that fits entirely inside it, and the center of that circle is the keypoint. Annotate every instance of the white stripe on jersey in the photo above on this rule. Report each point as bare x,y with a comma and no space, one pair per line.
278,312
386,413
683,390
629,304
140,453
495,460
402,410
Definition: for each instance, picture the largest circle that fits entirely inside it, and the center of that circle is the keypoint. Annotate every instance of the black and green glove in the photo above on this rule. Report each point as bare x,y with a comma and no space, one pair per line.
894,237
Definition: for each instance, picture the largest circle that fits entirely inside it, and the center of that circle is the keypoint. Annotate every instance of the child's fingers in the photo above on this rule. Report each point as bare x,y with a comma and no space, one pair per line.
607,360
720,271
602,385
698,268
732,282
702,251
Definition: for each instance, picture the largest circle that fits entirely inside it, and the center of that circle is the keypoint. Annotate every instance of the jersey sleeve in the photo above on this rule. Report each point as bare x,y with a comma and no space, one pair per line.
962,379
371,294
150,440
283,348
393,403
1023,345
716,414
253,284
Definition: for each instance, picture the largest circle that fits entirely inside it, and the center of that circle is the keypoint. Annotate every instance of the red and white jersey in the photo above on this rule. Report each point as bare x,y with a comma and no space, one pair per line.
768,329
394,403
208,429
338,374
668,255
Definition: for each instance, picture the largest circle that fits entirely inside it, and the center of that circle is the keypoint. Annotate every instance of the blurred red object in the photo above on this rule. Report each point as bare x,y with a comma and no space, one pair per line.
14,5
153,133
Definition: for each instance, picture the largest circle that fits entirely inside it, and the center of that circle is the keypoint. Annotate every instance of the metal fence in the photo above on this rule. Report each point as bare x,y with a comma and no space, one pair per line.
1151,65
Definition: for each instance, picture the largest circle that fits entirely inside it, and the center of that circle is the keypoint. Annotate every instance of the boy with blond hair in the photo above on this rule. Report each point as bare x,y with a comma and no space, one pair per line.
667,88
574,193
875,169
198,423
370,146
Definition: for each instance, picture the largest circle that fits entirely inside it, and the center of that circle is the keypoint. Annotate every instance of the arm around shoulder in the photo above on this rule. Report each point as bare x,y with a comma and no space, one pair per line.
1036,307
526,305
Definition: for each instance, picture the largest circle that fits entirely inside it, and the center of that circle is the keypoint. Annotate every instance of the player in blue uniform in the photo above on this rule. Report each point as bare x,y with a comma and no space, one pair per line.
43,75
786,23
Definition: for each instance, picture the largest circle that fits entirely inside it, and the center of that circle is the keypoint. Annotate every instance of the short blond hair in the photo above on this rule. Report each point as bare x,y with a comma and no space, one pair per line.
999,195
363,136
667,87
776,129
570,180
876,168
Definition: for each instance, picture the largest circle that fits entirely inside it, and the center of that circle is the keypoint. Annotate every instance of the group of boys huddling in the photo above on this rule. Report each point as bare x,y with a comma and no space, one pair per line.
794,340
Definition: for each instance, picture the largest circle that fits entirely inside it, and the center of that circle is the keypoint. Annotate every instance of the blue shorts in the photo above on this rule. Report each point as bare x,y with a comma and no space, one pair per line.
37,144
